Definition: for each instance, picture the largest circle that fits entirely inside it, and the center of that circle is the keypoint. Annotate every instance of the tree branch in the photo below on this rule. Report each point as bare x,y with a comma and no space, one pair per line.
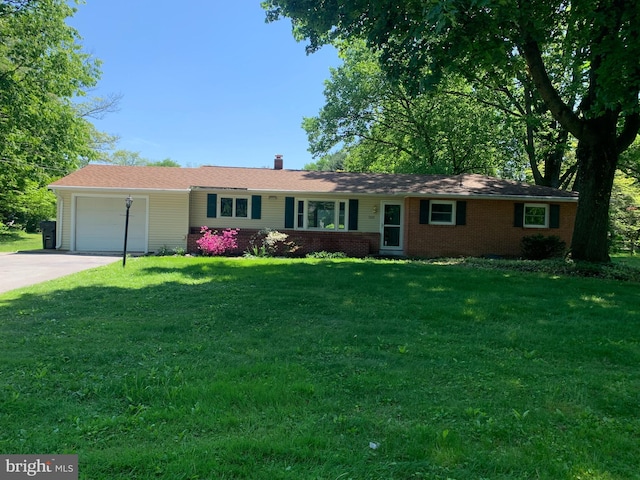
629,132
560,111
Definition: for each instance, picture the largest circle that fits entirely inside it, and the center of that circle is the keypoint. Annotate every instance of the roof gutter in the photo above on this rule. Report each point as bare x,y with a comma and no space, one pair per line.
547,198
117,189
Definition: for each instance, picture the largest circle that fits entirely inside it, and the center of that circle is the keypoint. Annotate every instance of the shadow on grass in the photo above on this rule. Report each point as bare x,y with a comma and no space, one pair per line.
268,357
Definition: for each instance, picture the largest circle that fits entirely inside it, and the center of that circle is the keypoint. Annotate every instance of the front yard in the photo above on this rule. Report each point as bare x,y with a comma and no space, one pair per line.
201,368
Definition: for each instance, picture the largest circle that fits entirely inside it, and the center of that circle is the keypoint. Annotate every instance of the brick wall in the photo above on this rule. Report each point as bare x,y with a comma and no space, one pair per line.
489,230
353,244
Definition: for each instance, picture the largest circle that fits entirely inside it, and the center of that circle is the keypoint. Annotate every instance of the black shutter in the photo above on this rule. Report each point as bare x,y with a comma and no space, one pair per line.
212,205
461,212
554,216
289,204
424,212
518,215
256,207
300,213
353,214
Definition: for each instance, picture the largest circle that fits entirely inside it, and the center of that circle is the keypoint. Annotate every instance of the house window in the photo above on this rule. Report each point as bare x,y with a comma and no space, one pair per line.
442,212
536,215
322,214
234,207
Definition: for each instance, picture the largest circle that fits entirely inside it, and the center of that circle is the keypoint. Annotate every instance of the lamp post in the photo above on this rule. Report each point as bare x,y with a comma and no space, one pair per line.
128,201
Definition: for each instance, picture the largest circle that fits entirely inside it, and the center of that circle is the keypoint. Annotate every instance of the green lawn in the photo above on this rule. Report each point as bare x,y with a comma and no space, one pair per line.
198,368
627,259
19,240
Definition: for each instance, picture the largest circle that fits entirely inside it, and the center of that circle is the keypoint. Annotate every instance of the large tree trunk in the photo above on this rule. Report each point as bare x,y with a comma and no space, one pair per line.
597,156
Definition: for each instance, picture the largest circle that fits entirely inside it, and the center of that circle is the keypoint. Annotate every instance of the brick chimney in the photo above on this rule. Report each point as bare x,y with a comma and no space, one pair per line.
277,162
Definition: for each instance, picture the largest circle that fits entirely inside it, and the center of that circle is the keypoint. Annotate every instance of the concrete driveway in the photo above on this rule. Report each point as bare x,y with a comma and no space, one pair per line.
23,269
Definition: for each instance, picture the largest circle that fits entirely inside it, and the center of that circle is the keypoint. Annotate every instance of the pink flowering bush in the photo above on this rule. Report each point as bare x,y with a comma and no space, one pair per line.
213,244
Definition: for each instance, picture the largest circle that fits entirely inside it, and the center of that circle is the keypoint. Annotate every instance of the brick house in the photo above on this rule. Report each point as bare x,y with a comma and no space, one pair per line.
357,213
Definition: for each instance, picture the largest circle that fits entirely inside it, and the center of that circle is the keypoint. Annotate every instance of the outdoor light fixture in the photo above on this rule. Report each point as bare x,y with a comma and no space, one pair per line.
128,201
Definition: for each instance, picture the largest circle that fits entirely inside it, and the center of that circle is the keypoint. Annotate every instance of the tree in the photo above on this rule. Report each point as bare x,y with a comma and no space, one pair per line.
385,129
42,136
134,159
332,162
597,40
625,214
630,160
167,162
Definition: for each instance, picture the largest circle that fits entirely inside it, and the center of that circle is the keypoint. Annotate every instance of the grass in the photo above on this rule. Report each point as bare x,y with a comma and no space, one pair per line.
625,259
199,368
19,240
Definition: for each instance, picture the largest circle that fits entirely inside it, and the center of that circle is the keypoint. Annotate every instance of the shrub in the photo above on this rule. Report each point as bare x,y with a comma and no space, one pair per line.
540,247
325,254
269,243
165,251
213,244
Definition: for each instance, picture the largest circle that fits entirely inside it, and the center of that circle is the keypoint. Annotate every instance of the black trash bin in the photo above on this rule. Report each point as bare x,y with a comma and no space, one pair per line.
48,235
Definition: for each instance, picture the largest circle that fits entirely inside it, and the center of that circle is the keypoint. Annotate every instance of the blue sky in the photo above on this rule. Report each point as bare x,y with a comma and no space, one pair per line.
204,81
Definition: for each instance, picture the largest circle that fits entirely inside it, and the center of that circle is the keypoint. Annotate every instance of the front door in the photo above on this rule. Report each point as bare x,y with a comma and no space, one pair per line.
391,228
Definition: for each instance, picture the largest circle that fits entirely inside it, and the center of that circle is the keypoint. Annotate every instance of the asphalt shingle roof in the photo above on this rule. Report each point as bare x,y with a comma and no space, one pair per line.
268,180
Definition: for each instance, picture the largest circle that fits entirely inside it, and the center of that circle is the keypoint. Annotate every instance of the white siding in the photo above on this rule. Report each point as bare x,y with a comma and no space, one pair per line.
63,223
273,207
168,220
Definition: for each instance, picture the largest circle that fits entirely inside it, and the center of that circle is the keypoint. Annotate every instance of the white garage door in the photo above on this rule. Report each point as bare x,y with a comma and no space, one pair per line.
100,224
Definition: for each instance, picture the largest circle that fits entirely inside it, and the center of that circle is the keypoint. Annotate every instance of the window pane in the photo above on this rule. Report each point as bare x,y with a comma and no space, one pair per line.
391,236
441,212
341,215
321,215
242,207
392,214
226,207
535,216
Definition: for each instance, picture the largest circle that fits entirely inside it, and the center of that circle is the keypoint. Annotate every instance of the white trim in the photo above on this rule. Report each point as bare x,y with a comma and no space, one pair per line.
535,205
443,202
336,215
392,250
74,197
234,198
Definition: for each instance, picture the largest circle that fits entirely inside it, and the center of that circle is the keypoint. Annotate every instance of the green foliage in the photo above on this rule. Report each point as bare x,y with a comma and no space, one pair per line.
541,247
630,160
42,70
331,162
134,159
270,243
623,268
323,369
625,214
167,162
168,251
33,205
581,58
325,255
383,128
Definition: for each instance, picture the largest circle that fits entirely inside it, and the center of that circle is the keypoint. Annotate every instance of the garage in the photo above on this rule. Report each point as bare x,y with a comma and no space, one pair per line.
99,225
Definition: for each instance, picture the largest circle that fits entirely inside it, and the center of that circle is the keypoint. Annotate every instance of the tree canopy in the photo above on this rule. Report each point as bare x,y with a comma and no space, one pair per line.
581,56
383,128
43,135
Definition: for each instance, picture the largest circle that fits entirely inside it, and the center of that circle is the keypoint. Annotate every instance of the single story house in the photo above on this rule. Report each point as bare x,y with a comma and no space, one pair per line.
357,213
